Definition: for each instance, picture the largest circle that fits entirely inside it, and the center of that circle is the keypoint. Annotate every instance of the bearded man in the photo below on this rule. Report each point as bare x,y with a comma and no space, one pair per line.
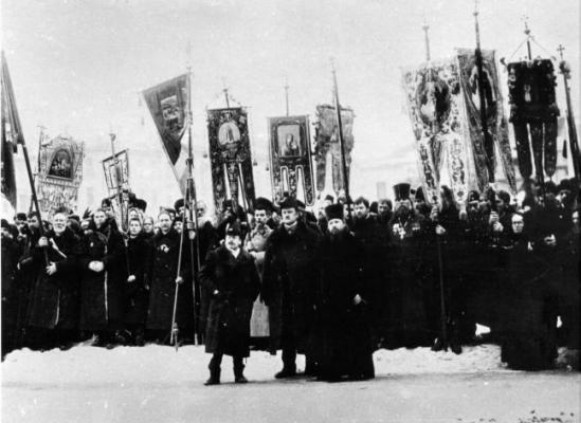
343,337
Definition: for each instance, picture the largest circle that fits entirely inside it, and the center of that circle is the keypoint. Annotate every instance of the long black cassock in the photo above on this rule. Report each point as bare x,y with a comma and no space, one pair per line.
342,339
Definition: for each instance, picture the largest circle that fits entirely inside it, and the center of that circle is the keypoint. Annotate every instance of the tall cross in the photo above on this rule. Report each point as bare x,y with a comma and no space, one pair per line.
561,49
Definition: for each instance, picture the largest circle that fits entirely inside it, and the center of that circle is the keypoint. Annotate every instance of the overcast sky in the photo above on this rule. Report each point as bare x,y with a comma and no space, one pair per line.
78,66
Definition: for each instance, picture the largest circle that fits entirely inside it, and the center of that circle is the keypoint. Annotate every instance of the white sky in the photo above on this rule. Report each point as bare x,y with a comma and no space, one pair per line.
78,67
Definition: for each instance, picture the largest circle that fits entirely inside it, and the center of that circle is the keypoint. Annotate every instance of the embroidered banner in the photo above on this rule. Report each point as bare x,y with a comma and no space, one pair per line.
168,105
533,107
438,115
485,157
327,140
230,156
60,174
290,157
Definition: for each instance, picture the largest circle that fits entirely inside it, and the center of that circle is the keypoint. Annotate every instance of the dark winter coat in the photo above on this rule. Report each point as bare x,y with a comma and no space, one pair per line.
526,329
54,299
234,285
102,293
290,275
162,273
341,342
136,293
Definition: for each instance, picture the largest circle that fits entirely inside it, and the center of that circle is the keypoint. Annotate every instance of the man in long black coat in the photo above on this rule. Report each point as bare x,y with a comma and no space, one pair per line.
168,252
102,263
343,345
375,241
290,275
230,276
136,289
10,255
54,304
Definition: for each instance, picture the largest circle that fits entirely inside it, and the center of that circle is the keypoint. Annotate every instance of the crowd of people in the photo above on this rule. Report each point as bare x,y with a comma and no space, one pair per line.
335,284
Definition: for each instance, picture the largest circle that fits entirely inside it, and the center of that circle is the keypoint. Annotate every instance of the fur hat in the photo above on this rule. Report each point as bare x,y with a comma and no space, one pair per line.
334,211
262,203
402,191
289,203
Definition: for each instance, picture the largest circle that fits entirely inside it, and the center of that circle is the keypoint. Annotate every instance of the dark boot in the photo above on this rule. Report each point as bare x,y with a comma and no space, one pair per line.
239,371
214,378
286,372
214,370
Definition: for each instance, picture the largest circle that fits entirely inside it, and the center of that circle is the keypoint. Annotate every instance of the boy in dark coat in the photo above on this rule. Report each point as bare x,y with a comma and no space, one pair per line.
230,276
135,288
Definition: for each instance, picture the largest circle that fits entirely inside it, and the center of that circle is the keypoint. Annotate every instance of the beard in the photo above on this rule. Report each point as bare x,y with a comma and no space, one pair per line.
402,213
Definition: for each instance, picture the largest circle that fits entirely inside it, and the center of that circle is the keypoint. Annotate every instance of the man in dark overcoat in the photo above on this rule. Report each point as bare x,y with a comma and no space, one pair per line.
136,289
230,276
290,275
375,240
169,251
102,263
343,343
54,303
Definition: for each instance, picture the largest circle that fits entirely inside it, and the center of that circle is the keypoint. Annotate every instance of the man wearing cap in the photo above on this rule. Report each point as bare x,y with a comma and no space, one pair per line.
290,274
255,244
342,339
230,275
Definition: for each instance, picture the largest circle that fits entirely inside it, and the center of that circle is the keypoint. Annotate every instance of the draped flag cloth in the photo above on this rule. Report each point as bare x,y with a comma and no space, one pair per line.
438,115
485,156
230,156
327,140
60,174
11,135
533,109
168,104
290,157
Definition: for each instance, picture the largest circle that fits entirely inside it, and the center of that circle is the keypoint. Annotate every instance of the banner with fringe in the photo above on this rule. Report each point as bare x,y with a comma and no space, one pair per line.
534,110
438,116
290,157
60,174
486,158
231,157
327,140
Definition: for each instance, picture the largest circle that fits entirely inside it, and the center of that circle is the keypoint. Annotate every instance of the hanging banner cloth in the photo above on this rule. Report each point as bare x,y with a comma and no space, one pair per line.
439,122
168,105
60,174
495,117
327,139
290,157
231,157
11,135
533,109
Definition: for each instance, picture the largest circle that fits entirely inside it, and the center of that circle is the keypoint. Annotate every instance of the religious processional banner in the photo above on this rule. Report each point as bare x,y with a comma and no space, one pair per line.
485,157
230,156
533,107
116,171
438,115
327,140
11,135
168,104
60,174
290,157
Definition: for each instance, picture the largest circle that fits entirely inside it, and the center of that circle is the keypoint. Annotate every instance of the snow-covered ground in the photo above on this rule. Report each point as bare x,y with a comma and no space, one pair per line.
156,384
